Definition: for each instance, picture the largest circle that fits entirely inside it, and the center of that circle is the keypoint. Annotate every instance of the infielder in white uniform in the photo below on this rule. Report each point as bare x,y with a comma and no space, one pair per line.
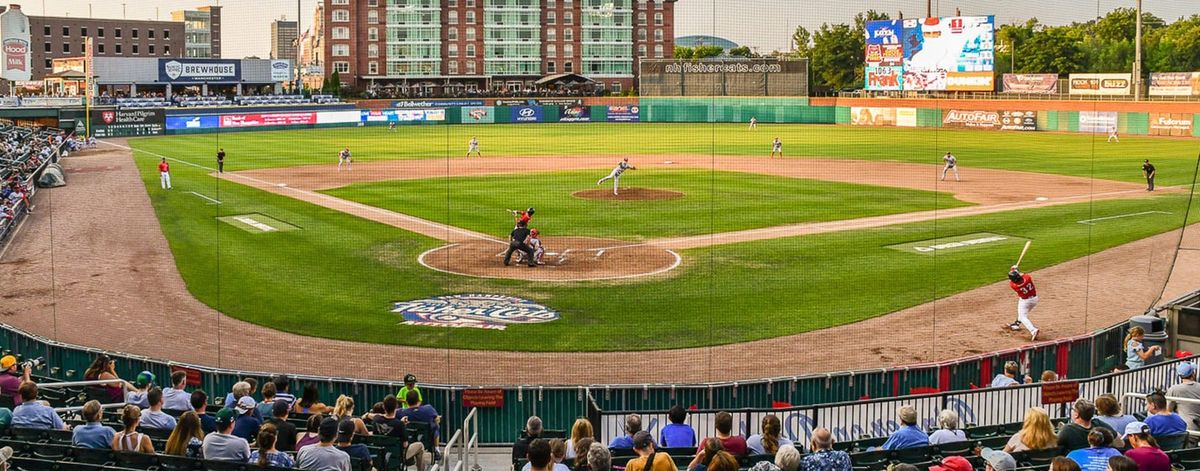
1112,135
345,158
777,147
616,174
951,164
473,147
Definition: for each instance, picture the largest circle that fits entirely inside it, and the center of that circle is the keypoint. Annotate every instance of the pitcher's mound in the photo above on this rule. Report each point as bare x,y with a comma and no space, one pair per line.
566,259
628,194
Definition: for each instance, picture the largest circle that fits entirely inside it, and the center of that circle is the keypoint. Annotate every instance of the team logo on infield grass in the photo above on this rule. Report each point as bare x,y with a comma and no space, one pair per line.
480,311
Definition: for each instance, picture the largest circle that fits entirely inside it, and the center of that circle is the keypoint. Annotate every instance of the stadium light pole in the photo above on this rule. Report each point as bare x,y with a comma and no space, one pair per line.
1137,55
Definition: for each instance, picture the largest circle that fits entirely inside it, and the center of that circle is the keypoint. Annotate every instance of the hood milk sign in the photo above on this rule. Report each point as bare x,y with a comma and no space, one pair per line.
199,70
480,311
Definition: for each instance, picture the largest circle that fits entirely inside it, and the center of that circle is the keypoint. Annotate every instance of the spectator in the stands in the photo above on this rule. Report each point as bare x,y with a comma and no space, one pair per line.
223,445
723,461
410,384
92,434
416,412
188,438
1095,456
581,453
345,442
953,463
154,417
1010,376
311,434
558,454
704,454
677,434
1136,353
533,431
1143,450
344,409
908,435
141,388
310,402
239,390
734,444
538,455
581,429
1121,463
1186,388
266,407
246,425
285,435
323,456
770,439
599,458
130,439
266,454
11,379
1109,410
643,445
633,425
200,405
1036,433
823,457
1062,463
282,389
948,431
1074,435
995,460
787,458
176,397
386,422
33,413
1049,376
1160,419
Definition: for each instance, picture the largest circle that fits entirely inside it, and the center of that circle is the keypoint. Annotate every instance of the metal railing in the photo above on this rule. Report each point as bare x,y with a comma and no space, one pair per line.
1188,400
465,442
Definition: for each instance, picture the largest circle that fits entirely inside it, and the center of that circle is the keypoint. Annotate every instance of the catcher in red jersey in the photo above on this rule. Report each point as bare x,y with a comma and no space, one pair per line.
1027,299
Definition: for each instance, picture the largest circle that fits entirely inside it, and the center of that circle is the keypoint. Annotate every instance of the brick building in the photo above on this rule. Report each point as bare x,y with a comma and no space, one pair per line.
56,37
202,31
445,46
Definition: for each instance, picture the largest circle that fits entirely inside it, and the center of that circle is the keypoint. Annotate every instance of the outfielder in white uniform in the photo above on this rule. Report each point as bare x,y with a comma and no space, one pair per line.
616,174
473,147
1112,135
777,147
951,165
344,157
753,123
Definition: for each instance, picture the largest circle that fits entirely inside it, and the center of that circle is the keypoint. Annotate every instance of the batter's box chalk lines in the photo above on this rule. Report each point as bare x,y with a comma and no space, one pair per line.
1119,216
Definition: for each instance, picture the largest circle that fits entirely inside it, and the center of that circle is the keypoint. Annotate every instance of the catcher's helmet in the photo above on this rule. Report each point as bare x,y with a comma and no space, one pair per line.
534,232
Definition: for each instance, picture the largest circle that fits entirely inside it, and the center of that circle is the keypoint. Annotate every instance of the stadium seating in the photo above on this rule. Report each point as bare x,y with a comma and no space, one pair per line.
23,153
142,102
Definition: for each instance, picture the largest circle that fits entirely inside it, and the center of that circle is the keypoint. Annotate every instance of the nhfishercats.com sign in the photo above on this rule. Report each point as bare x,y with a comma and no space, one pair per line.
480,311
199,70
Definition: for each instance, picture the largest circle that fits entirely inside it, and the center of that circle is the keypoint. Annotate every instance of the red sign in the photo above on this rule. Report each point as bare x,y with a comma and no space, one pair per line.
15,51
267,119
108,116
1060,392
483,398
193,376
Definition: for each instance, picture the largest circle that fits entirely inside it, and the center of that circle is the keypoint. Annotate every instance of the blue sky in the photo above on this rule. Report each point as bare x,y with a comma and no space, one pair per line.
764,24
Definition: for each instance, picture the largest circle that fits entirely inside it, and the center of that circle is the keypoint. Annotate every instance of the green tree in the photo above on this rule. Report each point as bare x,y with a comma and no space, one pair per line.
1008,38
1052,50
333,85
1175,48
742,51
837,57
802,42
684,52
704,52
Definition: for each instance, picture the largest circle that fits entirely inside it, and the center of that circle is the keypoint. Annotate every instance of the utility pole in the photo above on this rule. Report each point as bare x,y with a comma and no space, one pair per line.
1137,56
929,8
299,54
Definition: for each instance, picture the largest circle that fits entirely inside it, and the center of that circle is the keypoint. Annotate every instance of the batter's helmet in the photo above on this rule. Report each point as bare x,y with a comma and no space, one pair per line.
1015,275
530,210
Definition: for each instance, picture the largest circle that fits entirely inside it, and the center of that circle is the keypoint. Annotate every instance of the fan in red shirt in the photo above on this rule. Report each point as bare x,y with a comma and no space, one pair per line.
1027,299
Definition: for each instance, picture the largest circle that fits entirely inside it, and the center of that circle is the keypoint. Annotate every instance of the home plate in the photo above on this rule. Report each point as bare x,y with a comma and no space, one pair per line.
1042,198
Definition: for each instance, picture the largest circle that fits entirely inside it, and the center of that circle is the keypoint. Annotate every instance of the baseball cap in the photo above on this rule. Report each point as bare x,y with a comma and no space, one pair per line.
279,408
7,362
1184,369
345,430
245,404
409,378
953,463
999,460
225,417
1134,428
144,379
642,440
5,454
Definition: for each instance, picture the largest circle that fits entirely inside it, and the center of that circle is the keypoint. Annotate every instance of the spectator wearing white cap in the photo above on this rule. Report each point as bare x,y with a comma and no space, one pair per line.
1143,450
246,425
996,460
6,454
1186,388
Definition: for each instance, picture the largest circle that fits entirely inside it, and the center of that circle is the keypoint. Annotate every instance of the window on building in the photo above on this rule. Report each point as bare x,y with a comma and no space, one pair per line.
569,67
341,2
49,63
118,48
551,34
658,51
568,17
166,34
372,17
66,31
641,50
151,49
452,34
658,35
372,50
341,32
452,17
551,18
658,19
135,33
372,34
470,3
150,33
551,68
641,34
452,50
66,48
550,3
470,17
341,67
46,30
341,50
471,50
470,34
135,49
100,32
616,87
373,68
569,34
453,3
100,48
372,3
117,33
470,65
166,49
341,16
47,46
568,50
453,67
641,19
83,32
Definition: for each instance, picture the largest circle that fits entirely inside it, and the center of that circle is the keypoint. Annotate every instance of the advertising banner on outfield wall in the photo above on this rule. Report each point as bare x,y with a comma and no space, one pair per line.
338,117
402,115
478,114
1175,84
624,114
576,114
1018,120
1101,84
1171,124
1031,83
885,78
175,123
267,119
970,81
1097,121
906,117
867,116
118,123
527,114
433,103
995,120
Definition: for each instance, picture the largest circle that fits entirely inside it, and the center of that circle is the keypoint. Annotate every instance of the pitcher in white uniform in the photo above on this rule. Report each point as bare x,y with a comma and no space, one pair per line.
616,174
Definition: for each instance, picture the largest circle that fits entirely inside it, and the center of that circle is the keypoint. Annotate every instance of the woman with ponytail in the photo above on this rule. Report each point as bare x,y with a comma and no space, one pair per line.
1136,353
769,441
266,454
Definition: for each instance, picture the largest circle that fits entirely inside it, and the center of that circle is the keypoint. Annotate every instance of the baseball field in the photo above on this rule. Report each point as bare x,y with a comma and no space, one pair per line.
726,246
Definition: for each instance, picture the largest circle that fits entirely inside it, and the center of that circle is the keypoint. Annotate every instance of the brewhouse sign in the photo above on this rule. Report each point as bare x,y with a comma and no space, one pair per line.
199,70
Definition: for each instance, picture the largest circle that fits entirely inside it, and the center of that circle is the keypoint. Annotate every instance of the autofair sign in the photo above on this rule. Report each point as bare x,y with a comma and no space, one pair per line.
971,119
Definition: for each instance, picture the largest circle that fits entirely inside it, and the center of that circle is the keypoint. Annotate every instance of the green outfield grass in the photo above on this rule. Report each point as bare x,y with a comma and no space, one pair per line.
714,202
337,275
1061,153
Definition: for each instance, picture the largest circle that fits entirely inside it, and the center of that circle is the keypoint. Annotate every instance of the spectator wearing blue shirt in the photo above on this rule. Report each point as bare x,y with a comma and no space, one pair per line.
92,434
1011,376
1095,456
246,425
677,434
908,435
200,405
417,412
1160,420
33,414
633,425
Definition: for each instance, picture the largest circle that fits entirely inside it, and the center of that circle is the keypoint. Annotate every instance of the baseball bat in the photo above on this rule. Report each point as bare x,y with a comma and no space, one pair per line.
1026,249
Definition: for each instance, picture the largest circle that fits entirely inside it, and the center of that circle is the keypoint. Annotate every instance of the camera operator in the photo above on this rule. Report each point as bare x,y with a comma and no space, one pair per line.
10,380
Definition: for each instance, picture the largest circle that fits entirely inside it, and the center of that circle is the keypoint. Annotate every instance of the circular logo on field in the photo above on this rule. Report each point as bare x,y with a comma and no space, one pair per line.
480,311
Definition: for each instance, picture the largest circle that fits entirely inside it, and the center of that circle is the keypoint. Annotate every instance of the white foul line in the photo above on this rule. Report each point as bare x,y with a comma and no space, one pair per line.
205,197
1090,221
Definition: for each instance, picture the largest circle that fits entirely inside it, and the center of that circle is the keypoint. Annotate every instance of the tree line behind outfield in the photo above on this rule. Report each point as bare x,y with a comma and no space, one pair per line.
1105,44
